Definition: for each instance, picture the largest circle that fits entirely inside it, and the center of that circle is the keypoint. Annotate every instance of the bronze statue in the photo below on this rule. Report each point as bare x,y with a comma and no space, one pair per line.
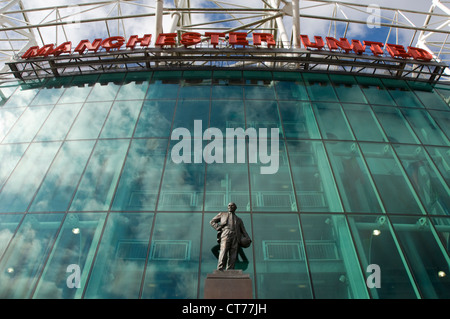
231,234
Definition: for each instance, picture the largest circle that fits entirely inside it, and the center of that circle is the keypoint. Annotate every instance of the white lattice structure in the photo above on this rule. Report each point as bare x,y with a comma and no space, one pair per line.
23,25
438,18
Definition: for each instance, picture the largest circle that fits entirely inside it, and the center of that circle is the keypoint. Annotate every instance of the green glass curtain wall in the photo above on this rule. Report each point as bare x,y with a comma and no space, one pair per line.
87,178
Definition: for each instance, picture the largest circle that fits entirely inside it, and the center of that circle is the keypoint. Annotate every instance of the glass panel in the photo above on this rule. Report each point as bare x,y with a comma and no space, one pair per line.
227,85
99,180
8,226
197,76
21,97
172,270
195,85
188,111
426,255
425,128
227,114
58,82
401,93
442,227
280,264
263,115
47,96
106,87
441,158
375,91
135,86
210,250
26,178
396,192
333,263
75,246
227,174
443,120
155,119
59,185
80,88
139,183
259,85
90,121
313,179
26,255
444,93
7,90
9,157
377,245
229,91
274,191
120,261
75,94
8,118
58,123
298,120
364,123
164,85
354,182
395,125
28,124
183,184
227,183
347,89
122,119
319,87
429,185
428,96
332,122
290,86
227,75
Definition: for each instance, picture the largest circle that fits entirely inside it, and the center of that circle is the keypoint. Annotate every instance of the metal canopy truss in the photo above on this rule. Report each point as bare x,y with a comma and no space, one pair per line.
23,26
438,18
12,37
248,58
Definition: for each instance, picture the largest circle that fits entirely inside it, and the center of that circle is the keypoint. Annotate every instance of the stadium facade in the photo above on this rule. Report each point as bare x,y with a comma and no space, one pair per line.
94,205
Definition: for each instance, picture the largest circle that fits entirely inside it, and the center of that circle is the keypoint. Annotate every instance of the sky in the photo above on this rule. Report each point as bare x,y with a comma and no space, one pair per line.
140,26
137,26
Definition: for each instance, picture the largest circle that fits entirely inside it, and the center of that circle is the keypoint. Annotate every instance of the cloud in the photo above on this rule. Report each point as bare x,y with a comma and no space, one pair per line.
310,26
369,11
140,26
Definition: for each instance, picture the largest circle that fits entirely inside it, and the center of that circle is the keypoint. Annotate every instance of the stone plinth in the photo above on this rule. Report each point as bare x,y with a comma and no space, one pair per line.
228,284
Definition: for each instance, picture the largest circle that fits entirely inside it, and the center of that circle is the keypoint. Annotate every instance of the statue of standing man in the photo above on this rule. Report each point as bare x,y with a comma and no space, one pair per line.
231,234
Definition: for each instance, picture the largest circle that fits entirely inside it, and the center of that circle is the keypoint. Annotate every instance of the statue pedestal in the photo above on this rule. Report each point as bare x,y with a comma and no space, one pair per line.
228,284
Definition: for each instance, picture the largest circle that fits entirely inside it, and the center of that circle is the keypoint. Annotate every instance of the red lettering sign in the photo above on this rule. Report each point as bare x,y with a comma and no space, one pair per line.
238,38
358,47
144,41
31,52
113,43
86,45
420,54
397,50
375,47
45,50
65,47
235,38
190,38
333,44
166,39
215,36
266,37
308,44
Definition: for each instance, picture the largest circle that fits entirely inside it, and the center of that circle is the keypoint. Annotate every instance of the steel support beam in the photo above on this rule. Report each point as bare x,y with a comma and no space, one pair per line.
296,23
159,16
